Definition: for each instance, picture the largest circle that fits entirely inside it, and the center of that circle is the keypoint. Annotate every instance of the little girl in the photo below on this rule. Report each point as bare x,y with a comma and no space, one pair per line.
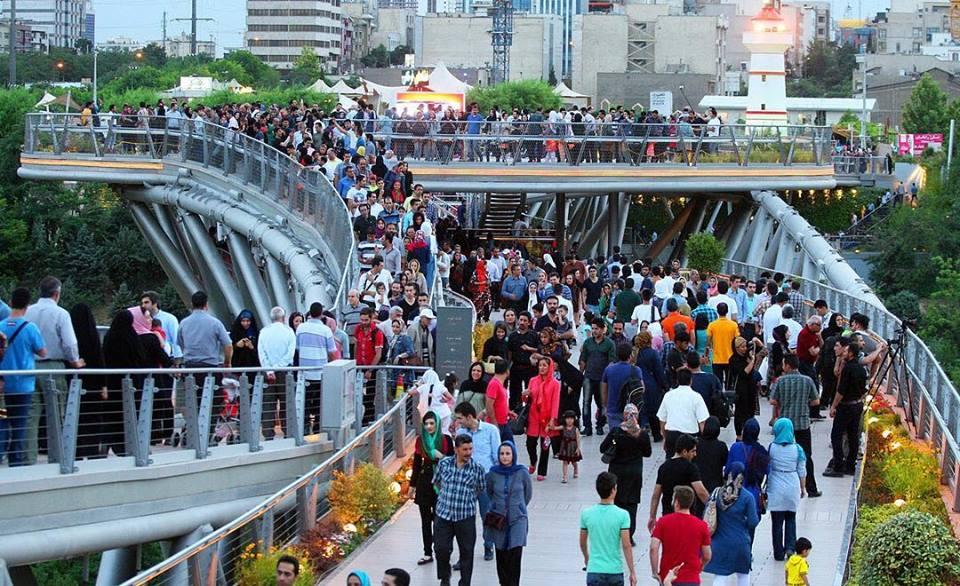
570,444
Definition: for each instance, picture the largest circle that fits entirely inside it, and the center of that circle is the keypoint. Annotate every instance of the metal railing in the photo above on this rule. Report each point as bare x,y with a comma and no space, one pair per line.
447,141
925,392
282,518
151,410
861,165
272,174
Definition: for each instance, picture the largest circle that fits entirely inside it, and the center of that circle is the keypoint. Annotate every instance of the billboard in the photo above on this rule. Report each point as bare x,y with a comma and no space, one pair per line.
915,144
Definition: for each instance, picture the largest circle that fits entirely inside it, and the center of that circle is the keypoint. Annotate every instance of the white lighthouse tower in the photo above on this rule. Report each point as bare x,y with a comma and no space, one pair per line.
767,40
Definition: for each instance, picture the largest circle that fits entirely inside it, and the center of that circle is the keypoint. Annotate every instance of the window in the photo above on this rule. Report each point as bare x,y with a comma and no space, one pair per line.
763,106
763,78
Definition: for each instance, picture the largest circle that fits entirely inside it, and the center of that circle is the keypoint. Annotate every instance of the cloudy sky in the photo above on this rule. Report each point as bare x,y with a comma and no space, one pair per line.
142,19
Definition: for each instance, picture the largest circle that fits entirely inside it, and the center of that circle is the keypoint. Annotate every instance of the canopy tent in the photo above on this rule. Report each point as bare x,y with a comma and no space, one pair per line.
320,86
49,99
342,89
442,81
346,102
380,94
571,97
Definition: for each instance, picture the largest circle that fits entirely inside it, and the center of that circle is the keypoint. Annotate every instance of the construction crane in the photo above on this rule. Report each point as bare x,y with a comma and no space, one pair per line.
501,38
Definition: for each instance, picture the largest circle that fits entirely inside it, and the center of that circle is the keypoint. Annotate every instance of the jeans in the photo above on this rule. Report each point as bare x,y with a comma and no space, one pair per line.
804,440
466,533
847,422
591,391
614,419
484,504
595,579
506,434
426,527
541,462
784,537
18,412
594,309
508,566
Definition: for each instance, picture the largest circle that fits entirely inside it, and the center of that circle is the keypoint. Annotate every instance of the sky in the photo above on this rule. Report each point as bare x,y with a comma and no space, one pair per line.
142,19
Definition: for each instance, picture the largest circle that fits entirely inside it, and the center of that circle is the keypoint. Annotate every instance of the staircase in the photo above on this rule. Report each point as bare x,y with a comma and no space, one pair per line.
864,230
500,212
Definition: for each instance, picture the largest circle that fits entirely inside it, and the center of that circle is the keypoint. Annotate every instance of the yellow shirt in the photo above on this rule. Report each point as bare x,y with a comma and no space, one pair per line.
722,332
797,568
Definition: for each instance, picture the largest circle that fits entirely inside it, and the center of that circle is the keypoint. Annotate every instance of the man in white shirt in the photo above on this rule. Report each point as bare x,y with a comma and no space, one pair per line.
793,326
721,297
773,317
317,347
330,167
275,348
386,326
495,274
682,411
646,311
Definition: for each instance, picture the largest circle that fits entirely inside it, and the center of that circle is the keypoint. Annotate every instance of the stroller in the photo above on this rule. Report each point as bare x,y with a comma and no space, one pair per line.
227,429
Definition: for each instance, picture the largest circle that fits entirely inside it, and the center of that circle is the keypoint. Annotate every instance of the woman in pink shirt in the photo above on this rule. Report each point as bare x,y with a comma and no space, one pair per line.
543,428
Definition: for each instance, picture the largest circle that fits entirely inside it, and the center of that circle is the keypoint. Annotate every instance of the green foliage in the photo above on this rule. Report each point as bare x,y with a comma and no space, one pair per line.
69,572
939,327
830,212
379,56
904,304
258,569
154,55
911,548
306,68
528,93
276,96
704,252
827,71
256,73
926,110
362,498
912,474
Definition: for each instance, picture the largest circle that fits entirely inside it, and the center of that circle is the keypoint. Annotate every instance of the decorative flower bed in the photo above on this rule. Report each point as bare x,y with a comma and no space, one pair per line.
903,534
360,503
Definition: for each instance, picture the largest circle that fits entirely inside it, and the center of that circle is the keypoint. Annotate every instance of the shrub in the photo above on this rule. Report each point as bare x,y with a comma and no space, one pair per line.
705,252
904,304
912,472
363,497
911,549
256,569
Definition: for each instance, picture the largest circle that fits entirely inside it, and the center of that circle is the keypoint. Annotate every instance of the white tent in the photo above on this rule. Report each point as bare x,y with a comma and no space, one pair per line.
66,101
320,86
383,94
571,97
442,81
346,102
342,89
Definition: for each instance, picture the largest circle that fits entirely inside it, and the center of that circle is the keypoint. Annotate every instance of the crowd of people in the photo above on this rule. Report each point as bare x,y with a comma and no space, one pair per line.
642,355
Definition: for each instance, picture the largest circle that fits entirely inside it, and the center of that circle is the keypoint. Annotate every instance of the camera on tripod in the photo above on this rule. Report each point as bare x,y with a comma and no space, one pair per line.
901,331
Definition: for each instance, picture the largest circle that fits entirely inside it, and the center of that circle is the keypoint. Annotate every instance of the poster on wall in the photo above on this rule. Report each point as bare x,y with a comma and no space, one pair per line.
915,144
661,102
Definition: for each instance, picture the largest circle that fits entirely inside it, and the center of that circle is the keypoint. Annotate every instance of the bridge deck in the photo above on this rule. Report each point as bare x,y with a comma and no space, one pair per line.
552,554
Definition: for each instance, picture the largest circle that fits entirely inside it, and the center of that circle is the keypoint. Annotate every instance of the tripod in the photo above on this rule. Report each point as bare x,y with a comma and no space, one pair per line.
895,360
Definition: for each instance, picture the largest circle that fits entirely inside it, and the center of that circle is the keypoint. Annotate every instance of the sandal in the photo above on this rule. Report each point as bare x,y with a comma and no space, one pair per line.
564,481
427,559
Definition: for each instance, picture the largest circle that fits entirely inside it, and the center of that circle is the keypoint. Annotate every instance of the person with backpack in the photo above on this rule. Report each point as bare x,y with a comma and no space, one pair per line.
623,450
22,342
682,411
654,380
710,388
621,381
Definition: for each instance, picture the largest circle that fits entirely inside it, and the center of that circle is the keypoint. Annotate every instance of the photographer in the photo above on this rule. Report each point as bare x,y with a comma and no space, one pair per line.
746,357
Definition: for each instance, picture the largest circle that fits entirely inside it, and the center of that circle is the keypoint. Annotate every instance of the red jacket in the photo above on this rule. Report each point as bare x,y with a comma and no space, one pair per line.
544,404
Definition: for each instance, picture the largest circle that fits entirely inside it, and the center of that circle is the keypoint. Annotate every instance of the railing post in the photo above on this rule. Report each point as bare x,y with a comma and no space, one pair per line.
129,416
307,497
256,414
244,397
70,430
400,432
294,408
380,400
190,411
203,417
145,424
376,447
265,531
206,146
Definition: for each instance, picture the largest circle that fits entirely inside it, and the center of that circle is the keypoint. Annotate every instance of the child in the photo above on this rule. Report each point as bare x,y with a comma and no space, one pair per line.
797,567
570,444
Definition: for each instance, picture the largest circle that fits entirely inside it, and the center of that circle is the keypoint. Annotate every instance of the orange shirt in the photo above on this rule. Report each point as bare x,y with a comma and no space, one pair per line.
672,318
721,332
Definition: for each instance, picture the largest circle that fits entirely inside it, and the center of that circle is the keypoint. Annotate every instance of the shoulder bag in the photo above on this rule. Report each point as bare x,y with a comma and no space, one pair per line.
498,521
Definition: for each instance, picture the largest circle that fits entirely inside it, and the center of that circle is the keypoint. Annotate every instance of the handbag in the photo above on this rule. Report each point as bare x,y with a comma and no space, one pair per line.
495,520
610,453
518,426
710,514
763,497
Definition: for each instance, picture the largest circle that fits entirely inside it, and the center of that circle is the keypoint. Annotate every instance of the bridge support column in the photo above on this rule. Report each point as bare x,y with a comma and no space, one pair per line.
251,279
117,566
699,212
622,217
591,238
713,216
189,572
560,223
737,230
279,284
174,263
657,248
759,234
211,258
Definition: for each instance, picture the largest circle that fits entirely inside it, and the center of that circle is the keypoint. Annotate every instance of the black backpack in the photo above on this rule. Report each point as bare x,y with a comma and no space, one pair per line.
720,408
632,391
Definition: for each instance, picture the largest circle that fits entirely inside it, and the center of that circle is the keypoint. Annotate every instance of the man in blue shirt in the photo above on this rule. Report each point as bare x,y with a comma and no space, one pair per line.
474,123
349,180
4,311
513,289
23,341
614,376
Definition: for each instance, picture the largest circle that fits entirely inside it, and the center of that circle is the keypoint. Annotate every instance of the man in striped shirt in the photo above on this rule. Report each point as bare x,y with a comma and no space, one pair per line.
317,346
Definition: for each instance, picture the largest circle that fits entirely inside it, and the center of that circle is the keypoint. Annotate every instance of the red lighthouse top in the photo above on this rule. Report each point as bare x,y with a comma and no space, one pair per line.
769,13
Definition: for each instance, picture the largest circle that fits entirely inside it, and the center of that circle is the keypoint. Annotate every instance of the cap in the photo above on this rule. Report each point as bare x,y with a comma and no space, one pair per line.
427,313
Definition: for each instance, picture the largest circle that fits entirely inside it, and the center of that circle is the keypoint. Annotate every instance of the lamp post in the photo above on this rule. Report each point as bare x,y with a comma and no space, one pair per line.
862,59
60,66
94,77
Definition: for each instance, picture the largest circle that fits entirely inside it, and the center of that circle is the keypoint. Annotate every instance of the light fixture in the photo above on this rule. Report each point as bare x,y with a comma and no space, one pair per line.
886,433
899,503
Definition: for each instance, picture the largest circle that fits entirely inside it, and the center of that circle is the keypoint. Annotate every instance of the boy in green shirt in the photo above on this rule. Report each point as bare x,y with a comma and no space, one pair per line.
605,538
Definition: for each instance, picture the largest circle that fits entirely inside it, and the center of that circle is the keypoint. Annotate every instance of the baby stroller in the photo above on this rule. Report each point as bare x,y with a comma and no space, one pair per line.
227,429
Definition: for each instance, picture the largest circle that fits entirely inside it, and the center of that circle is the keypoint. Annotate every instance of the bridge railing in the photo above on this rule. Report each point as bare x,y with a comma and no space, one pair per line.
861,165
624,143
305,192
148,413
925,392
284,517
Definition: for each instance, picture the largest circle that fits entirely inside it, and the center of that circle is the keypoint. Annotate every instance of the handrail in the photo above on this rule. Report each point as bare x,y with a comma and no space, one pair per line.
160,137
269,503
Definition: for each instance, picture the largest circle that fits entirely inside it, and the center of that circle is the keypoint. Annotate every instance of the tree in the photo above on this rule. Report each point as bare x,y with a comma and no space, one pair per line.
83,46
154,55
399,54
306,68
827,71
926,110
377,57
527,94
258,74
704,252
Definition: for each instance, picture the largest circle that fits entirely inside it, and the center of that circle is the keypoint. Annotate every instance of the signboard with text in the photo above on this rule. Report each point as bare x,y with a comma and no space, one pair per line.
661,102
915,144
454,341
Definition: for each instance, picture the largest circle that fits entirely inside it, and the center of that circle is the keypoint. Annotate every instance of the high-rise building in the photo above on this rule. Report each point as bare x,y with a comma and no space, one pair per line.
278,30
62,20
566,10
90,24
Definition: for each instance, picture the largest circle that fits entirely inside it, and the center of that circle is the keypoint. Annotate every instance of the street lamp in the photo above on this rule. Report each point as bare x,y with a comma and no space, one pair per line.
60,66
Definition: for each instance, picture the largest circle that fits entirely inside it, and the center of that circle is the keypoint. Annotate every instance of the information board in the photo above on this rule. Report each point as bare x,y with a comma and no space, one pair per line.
454,342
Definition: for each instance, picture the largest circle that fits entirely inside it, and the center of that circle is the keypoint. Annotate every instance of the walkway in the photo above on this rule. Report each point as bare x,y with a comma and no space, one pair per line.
553,557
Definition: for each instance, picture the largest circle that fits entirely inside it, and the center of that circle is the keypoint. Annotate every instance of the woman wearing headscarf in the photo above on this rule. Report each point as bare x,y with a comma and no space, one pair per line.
358,578
543,397
781,347
244,334
629,445
121,350
550,347
380,167
827,359
93,401
731,542
654,380
432,445
480,290
711,454
154,356
434,397
785,487
473,389
743,363
510,490
496,345
754,458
